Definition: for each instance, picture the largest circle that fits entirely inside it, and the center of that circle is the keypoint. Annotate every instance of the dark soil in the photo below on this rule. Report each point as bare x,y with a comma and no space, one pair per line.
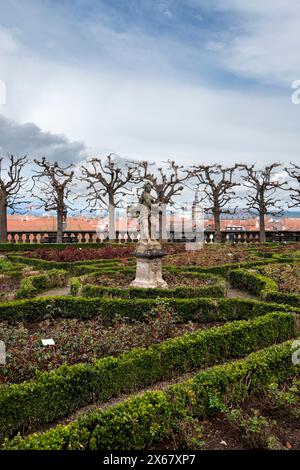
219,434
8,287
124,280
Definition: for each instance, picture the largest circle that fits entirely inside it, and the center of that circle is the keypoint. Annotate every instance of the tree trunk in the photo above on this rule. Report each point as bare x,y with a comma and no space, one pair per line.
162,222
217,223
160,225
3,219
111,218
262,227
60,224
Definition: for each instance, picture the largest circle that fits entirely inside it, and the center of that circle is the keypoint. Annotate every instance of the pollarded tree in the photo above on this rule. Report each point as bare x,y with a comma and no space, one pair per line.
264,188
294,173
12,184
108,180
217,185
53,183
166,183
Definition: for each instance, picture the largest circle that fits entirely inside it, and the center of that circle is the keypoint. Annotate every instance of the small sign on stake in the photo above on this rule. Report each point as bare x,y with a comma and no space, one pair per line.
48,342
2,353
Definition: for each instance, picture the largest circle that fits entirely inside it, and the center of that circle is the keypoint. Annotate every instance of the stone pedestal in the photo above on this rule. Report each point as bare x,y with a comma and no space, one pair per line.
148,265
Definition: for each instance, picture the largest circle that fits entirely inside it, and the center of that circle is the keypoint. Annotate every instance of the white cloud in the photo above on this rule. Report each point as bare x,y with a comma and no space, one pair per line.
266,45
29,139
8,41
129,99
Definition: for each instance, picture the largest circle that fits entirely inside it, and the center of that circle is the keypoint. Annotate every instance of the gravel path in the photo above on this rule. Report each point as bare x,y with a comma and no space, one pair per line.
55,292
241,294
123,397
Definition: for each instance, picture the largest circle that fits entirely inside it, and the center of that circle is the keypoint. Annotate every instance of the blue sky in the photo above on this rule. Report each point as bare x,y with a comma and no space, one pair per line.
193,80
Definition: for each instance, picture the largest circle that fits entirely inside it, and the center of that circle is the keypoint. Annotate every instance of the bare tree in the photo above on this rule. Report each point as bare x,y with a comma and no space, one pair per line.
166,183
263,196
11,186
53,183
294,173
107,182
218,191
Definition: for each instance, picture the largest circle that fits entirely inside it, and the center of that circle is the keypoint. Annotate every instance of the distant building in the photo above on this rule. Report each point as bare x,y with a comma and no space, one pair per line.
18,223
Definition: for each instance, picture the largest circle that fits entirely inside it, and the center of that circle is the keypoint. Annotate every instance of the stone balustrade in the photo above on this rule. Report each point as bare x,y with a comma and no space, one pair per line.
123,237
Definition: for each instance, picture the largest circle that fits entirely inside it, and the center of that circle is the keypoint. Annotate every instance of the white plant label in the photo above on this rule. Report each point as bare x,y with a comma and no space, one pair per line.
48,342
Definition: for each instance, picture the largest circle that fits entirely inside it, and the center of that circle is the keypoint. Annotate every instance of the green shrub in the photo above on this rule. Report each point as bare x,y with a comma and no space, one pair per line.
32,285
22,247
68,266
149,418
82,286
284,298
54,394
252,282
195,309
79,270
225,269
182,292
262,286
75,286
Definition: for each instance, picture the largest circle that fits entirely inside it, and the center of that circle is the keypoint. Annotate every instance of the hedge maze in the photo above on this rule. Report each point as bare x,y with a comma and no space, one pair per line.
150,368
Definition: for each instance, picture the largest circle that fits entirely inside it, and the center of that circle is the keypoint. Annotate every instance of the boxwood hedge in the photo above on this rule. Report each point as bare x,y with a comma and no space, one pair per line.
149,418
195,309
32,285
263,286
54,394
82,286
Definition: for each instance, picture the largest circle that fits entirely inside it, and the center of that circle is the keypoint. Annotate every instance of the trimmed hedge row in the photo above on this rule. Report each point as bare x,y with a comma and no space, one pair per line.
262,286
221,270
55,394
225,269
13,273
110,268
195,309
69,266
21,247
32,285
252,282
289,256
87,266
183,292
215,290
146,419
77,282
283,298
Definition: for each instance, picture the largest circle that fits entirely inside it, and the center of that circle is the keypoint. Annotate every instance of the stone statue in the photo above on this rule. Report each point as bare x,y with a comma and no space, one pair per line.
145,204
148,251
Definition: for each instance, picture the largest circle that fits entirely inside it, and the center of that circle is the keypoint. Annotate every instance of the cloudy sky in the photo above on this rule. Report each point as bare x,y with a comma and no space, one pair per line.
192,80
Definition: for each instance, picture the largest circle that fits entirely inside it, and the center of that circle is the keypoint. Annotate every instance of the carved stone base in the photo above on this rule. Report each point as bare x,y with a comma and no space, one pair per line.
148,266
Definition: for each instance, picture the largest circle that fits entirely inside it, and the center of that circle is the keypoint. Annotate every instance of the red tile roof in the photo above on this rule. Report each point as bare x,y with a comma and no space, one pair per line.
45,224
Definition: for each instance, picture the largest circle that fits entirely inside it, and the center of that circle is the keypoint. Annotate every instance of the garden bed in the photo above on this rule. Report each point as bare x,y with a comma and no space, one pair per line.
287,276
146,420
267,421
54,394
117,284
81,341
282,290
215,255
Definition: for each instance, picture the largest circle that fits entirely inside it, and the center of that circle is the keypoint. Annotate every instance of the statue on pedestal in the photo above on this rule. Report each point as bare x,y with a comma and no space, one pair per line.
149,251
